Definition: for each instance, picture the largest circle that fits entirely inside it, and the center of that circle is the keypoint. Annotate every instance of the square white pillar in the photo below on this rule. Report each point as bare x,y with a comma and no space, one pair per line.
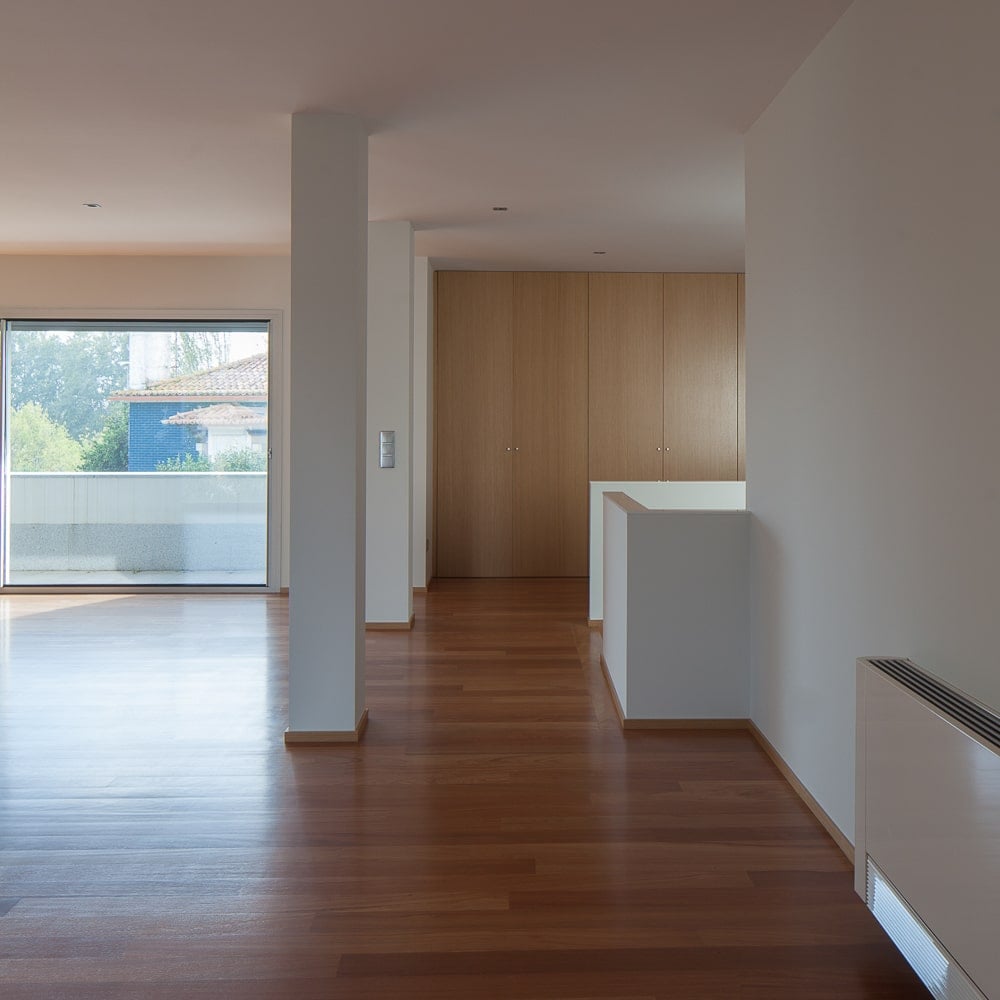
390,396
327,410
423,438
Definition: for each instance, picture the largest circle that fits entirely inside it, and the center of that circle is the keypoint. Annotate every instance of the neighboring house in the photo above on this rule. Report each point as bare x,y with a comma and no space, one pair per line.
204,413
224,427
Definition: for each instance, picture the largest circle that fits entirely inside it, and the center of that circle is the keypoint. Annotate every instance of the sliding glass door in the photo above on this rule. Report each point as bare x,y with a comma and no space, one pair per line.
135,453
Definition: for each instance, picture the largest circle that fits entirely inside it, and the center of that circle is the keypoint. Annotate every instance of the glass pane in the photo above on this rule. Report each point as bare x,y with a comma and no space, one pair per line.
136,456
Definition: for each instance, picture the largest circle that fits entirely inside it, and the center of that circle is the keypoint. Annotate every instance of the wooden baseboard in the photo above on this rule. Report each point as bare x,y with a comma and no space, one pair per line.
597,623
283,591
305,738
803,793
611,689
390,626
665,723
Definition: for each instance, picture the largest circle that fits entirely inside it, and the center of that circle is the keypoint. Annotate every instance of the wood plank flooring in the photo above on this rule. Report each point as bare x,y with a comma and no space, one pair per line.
495,835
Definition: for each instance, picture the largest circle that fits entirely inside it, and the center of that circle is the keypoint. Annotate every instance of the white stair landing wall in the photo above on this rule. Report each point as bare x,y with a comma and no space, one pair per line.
676,623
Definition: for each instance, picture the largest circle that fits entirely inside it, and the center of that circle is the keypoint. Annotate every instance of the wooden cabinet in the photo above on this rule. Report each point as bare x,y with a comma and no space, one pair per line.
699,376
547,380
626,376
663,376
550,424
511,418
741,378
473,400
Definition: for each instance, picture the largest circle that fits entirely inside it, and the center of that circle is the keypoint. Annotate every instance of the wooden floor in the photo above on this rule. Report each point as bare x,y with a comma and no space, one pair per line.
496,834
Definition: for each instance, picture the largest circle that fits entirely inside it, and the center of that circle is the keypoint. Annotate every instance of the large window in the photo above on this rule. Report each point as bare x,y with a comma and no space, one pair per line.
135,453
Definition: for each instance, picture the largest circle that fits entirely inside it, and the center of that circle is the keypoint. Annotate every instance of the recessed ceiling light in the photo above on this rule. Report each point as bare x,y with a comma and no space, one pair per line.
91,204
499,208
600,252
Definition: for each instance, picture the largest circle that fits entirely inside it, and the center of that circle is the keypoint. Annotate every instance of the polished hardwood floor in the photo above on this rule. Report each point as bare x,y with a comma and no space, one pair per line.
495,835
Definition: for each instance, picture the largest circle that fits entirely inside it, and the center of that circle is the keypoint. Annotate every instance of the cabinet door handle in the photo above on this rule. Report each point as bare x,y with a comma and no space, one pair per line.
508,447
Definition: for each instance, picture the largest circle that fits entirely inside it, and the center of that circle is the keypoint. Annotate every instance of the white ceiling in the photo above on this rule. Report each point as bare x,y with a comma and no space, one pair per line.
602,125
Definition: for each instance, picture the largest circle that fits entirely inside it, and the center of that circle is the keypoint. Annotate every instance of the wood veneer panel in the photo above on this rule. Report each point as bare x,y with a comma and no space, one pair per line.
550,424
473,392
700,376
741,379
626,376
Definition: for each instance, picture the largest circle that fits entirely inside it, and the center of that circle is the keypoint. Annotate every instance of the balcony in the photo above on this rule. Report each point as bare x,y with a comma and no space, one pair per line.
137,528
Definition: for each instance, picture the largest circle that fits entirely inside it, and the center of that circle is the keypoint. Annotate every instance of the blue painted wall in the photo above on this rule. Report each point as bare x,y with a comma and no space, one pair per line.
150,441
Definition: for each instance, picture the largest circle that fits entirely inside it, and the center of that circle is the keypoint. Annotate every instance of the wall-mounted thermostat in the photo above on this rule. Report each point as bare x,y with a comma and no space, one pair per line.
387,449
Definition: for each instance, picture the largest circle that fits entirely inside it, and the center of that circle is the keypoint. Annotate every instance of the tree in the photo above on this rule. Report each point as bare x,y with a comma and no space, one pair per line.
39,444
198,350
108,451
69,375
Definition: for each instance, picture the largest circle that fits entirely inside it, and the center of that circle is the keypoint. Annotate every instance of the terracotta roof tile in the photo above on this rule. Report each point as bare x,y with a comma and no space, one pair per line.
245,377
220,415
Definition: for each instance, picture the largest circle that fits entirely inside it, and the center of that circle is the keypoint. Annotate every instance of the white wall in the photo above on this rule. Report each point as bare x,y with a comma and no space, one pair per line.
656,496
676,610
423,356
389,590
688,615
872,365
150,283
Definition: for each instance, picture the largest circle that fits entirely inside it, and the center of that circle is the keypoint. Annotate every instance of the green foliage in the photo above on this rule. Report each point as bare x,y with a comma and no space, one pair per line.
189,463
69,376
108,451
241,460
234,460
39,444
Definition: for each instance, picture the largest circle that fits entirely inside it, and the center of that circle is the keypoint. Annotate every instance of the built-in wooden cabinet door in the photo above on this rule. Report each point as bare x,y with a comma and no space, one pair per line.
626,376
741,380
700,376
550,424
473,439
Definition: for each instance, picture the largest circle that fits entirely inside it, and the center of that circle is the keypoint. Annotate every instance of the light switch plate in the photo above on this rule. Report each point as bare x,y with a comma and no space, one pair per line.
387,449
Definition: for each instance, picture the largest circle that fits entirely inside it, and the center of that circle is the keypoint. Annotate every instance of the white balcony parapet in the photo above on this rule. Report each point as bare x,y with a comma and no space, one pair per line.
137,522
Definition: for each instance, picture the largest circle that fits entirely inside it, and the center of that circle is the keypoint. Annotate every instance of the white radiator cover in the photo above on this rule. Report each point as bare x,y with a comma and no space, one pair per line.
928,825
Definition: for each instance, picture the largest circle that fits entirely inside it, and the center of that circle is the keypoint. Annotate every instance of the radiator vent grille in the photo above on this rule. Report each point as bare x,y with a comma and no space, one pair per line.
939,972
975,717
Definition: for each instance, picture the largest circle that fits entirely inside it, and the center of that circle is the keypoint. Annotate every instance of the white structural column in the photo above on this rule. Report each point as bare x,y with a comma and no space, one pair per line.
423,366
389,602
327,491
